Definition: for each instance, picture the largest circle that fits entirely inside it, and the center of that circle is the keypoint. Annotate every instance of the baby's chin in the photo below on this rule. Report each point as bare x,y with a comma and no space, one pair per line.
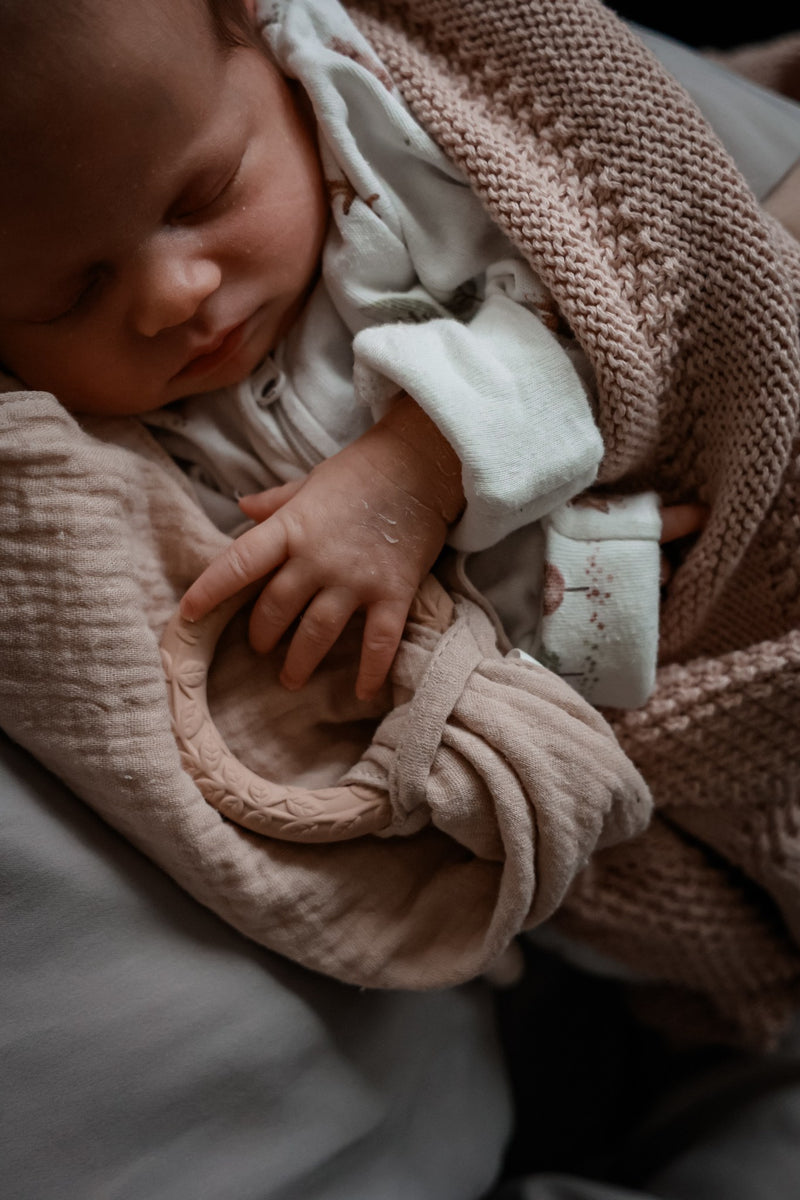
139,403
215,383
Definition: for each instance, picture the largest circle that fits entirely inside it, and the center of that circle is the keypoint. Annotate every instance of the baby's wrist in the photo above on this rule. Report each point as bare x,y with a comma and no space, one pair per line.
428,465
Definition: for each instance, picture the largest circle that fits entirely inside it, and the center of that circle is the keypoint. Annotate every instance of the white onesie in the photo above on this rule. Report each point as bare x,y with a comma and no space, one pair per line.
421,293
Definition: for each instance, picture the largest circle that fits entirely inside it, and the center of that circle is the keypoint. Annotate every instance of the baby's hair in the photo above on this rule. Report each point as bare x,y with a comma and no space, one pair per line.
33,34
233,24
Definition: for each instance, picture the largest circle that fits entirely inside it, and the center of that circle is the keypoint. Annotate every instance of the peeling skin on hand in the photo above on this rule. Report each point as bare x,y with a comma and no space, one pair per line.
387,536
319,537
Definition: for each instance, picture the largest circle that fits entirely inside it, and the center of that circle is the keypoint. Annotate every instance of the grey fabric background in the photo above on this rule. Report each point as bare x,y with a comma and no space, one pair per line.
148,1052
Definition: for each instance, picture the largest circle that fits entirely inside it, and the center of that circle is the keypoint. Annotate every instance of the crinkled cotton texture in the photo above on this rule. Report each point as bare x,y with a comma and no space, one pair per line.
685,298
502,779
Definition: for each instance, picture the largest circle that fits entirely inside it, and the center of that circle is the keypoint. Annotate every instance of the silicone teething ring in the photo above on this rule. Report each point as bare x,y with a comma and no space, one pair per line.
281,811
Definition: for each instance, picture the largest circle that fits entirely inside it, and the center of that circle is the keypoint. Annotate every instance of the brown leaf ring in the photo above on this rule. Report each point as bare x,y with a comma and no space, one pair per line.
275,810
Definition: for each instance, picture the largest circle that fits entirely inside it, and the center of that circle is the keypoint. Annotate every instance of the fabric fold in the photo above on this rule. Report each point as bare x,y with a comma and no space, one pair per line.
101,537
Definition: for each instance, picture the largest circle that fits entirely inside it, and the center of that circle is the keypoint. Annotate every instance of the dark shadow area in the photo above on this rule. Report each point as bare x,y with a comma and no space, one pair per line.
588,1078
713,24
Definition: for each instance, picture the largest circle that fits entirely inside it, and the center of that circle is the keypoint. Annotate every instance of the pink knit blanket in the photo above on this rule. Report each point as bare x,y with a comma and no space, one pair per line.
685,296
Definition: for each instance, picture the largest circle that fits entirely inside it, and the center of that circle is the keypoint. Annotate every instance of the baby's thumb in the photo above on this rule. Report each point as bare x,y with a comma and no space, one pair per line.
681,520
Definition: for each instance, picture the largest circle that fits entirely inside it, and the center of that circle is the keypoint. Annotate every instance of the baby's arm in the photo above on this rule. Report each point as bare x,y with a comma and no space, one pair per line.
361,530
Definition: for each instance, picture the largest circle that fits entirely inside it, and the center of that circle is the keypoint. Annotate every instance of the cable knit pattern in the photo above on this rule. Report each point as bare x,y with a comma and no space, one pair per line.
684,295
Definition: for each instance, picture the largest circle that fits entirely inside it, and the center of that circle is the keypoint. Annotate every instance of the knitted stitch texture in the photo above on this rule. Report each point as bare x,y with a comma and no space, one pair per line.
684,294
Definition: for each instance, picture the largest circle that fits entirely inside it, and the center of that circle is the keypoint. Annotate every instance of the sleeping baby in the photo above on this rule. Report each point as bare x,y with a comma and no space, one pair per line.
220,216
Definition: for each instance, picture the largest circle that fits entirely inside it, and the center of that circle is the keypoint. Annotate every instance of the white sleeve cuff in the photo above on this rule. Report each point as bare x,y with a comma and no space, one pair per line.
508,399
601,596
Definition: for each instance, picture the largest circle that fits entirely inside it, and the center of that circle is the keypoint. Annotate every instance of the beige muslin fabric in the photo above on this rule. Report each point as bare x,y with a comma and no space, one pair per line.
506,779
684,296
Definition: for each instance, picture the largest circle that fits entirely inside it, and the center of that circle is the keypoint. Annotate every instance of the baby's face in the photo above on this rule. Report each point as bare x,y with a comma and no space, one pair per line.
161,214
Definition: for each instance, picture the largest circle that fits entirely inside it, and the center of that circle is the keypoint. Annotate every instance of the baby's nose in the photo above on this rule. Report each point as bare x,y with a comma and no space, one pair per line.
173,283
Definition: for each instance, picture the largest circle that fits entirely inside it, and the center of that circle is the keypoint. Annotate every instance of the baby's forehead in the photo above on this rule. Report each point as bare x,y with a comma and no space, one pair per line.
61,80
96,46
95,136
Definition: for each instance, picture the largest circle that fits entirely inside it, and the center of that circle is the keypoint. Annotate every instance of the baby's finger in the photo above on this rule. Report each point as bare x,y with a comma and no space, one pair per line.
260,505
252,556
383,632
283,599
679,520
321,625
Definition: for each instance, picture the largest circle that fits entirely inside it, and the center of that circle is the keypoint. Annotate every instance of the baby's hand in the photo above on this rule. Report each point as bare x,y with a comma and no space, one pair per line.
679,521
360,531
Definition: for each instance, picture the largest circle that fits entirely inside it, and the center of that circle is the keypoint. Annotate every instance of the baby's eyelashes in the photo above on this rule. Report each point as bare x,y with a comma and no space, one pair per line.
88,290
